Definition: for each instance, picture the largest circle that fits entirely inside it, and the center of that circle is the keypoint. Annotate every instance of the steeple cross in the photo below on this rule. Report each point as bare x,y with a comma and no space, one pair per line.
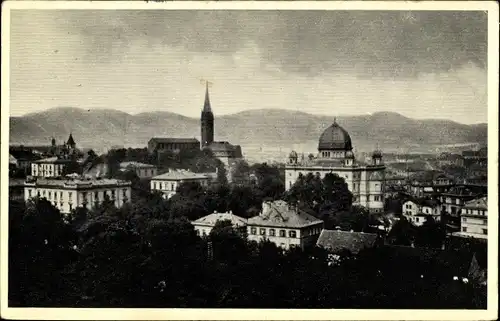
207,83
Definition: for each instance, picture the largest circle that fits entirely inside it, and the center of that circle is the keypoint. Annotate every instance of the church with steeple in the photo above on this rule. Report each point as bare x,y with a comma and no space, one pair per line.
223,150
366,181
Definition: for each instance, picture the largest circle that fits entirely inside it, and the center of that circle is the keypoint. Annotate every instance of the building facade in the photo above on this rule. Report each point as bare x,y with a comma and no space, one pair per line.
158,144
284,225
67,194
474,219
417,211
365,181
50,167
168,183
140,169
204,225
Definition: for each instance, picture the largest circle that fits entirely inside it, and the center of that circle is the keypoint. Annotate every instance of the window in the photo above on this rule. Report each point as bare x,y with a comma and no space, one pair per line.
60,194
464,219
417,219
171,186
272,232
282,233
464,229
50,195
70,207
253,230
377,198
485,231
262,231
113,194
29,193
292,234
154,185
485,222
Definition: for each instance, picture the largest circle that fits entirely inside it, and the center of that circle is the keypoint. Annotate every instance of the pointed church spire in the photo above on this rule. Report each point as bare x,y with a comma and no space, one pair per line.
206,107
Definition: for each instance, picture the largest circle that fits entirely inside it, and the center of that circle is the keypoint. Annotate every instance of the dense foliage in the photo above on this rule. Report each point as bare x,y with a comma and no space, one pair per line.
147,254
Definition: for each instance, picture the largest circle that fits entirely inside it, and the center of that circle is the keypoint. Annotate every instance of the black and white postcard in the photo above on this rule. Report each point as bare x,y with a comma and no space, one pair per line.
249,160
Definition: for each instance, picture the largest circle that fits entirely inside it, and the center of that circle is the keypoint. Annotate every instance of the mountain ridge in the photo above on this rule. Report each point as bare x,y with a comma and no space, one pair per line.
271,129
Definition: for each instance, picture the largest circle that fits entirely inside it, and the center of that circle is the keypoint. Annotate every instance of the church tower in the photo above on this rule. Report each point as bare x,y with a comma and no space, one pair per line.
207,122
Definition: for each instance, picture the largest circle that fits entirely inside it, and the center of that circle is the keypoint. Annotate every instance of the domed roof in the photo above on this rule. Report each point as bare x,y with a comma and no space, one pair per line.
377,153
293,154
349,154
335,138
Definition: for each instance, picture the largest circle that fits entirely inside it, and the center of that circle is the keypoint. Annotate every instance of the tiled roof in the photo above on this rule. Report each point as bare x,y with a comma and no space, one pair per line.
339,240
424,202
480,203
224,147
279,214
181,175
213,218
174,140
136,164
23,155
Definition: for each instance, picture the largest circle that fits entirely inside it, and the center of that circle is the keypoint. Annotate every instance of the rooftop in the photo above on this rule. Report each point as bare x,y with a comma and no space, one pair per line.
479,203
213,218
79,182
280,214
174,140
53,160
341,240
181,175
136,164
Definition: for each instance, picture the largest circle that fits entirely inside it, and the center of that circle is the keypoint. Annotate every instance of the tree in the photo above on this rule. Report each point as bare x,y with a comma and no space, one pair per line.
270,181
430,234
228,244
240,172
402,233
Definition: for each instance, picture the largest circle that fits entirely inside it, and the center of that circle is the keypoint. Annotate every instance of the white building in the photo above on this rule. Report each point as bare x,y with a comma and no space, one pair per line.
67,194
365,181
417,211
204,225
474,219
49,167
140,169
167,183
284,225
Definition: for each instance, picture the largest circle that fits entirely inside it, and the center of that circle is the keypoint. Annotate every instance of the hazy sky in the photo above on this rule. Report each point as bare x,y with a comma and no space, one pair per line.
420,64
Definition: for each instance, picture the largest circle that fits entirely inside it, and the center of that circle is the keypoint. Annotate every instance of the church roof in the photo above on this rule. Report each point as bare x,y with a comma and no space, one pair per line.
174,140
206,106
279,214
71,141
335,138
342,240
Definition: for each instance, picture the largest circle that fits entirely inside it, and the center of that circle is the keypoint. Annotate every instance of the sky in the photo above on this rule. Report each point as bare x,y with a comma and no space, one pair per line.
425,64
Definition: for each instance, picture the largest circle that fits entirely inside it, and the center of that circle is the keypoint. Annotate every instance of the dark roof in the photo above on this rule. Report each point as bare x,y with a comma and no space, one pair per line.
225,147
428,176
335,138
339,240
206,106
71,141
174,140
424,201
23,155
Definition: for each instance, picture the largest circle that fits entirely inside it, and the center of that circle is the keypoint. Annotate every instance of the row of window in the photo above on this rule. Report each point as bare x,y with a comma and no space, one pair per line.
464,219
477,212
163,186
54,194
484,230
272,232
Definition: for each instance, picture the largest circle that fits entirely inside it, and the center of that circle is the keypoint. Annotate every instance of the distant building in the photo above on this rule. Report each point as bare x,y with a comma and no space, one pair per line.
50,167
445,159
474,219
284,225
23,157
203,226
338,241
67,194
365,181
172,144
475,157
16,189
429,183
168,183
418,210
454,200
140,169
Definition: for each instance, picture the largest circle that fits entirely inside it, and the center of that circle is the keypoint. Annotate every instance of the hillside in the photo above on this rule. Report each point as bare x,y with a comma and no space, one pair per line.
260,132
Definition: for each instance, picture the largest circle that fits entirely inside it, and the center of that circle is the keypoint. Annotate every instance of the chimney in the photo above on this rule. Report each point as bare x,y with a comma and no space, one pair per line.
266,206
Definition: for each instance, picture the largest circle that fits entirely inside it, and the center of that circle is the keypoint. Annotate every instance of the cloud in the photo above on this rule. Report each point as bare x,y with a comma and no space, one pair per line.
421,64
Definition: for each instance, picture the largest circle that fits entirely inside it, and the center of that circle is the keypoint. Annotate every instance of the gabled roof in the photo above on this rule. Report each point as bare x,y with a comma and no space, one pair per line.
71,141
212,219
280,214
423,202
167,140
479,203
23,155
336,241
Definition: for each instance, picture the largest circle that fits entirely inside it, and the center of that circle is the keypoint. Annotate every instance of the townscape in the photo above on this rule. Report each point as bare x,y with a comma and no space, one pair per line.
184,223
328,159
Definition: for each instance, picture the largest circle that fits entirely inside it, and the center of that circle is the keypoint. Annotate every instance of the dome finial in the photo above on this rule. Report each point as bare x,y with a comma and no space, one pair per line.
335,120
